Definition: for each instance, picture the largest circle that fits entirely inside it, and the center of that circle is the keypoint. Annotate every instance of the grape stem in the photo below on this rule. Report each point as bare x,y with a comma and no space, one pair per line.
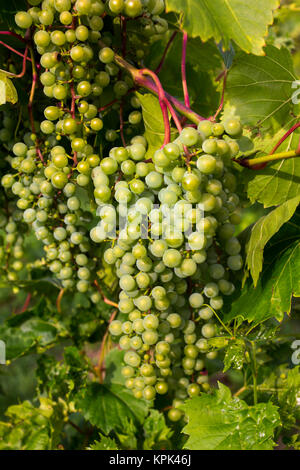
30,102
58,300
25,305
124,34
224,75
253,162
22,73
286,135
15,35
105,299
143,82
222,323
15,51
163,102
183,71
174,116
99,368
108,105
122,124
160,65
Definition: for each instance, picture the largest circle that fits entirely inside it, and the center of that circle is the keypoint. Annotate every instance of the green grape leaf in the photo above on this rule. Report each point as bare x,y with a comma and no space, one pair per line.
8,92
280,279
28,427
263,231
25,333
113,367
227,20
157,433
219,422
109,406
105,443
260,88
235,355
154,123
279,181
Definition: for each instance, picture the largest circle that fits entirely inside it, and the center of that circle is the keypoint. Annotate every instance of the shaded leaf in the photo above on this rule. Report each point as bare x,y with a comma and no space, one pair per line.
263,231
272,296
156,431
26,333
153,121
108,407
279,181
8,92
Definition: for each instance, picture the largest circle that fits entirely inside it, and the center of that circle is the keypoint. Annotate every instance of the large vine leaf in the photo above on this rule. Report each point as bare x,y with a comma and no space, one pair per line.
263,231
260,88
29,334
110,406
8,92
28,428
157,433
279,281
219,422
153,121
227,19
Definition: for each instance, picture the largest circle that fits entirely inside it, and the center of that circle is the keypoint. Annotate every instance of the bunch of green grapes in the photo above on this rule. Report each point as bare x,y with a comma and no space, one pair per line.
171,220
54,162
168,219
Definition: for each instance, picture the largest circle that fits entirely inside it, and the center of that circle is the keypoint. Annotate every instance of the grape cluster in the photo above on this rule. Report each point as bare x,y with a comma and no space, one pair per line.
54,160
171,220
167,220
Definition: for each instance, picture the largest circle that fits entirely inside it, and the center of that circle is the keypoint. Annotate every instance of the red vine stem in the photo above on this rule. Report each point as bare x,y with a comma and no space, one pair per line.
122,125
143,82
105,299
73,100
102,347
183,71
11,33
286,135
160,65
24,64
15,51
174,116
25,305
108,105
224,75
58,300
163,103
22,73
30,103
124,34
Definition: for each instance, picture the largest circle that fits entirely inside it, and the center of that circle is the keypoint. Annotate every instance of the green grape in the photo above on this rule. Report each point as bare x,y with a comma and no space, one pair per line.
23,19
233,127
133,8
189,136
106,55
